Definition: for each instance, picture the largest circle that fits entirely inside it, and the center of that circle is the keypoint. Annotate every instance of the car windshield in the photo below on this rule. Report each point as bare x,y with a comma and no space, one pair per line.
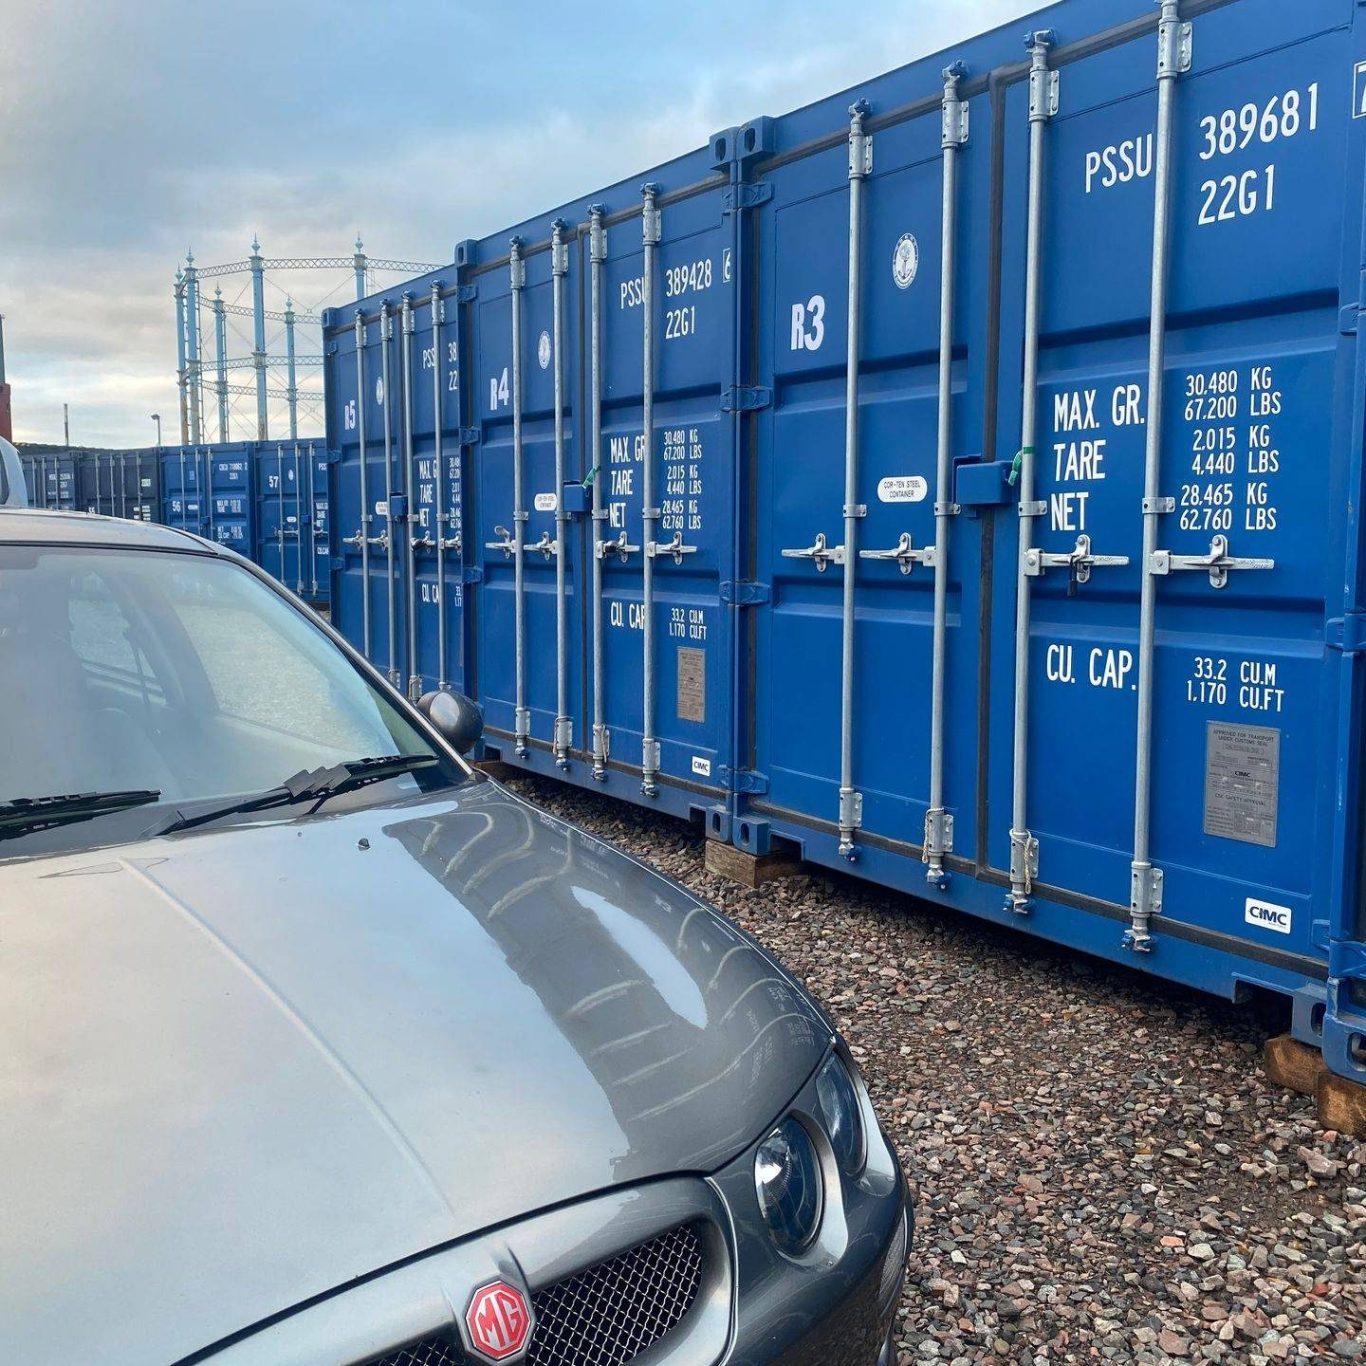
145,683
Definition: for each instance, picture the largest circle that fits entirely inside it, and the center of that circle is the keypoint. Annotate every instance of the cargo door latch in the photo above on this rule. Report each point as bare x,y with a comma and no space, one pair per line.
904,553
1078,562
545,546
621,548
821,552
675,548
1216,564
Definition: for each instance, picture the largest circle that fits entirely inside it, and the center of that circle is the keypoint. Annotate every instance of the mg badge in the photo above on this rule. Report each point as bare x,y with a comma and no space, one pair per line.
905,260
497,1325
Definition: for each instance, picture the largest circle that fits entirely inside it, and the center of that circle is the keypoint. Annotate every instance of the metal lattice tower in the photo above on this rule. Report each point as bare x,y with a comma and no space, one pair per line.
191,336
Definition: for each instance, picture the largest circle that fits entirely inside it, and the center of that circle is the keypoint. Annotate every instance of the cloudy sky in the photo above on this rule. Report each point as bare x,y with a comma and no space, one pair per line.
132,133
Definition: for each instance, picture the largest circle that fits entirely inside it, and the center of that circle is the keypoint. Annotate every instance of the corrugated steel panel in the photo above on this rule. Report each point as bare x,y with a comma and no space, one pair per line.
940,586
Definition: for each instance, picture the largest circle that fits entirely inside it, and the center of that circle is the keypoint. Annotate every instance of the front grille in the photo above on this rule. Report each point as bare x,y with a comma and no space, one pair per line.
440,1350
609,1314
606,1315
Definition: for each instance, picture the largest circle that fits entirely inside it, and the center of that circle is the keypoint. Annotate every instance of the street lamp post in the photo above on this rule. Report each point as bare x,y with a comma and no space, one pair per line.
156,417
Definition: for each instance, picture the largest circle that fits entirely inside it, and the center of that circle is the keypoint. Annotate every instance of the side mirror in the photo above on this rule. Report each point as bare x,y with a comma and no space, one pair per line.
456,717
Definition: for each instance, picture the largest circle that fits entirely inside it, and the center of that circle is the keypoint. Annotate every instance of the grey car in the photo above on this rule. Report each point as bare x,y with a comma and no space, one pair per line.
318,1046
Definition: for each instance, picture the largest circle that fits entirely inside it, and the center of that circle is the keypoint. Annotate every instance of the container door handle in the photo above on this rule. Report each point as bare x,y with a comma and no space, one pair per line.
1078,562
621,547
361,539
507,545
1216,564
904,553
822,553
676,548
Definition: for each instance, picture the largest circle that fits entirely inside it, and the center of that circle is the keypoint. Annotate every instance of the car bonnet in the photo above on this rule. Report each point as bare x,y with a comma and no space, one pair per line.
246,1066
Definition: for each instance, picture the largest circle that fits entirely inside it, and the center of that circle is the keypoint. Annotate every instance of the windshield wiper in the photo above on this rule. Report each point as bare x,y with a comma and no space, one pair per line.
24,815
308,785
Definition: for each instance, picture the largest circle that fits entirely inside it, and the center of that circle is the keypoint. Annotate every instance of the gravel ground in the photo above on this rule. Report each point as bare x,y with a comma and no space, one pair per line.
1101,1170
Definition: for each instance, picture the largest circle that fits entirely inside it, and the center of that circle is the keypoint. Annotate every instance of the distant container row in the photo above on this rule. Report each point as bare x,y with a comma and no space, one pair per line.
267,500
958,479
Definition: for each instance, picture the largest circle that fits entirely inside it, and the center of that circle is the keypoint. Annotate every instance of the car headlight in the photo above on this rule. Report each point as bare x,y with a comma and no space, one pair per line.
842,1115
787,1177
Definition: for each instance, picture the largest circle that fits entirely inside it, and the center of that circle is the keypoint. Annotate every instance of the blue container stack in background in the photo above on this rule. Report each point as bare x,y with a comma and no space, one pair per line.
267,500
818,490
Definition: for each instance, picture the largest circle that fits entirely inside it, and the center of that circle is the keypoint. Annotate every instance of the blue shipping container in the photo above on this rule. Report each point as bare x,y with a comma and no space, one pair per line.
267,500
290,483
184,477
955,481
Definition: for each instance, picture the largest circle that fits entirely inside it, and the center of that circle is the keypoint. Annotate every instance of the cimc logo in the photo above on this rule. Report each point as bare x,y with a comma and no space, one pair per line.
498,1322
1267,915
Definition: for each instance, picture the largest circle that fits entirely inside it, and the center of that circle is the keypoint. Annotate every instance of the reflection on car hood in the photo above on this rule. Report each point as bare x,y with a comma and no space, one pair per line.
243,1067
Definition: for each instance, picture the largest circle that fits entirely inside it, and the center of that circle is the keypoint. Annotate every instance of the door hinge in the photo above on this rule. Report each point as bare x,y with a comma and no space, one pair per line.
1347,959
744,780
745,398
1347,633
466,294
745,196
745,593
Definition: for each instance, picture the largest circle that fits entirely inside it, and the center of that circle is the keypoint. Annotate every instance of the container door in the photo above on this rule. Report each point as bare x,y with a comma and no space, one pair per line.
316,533
280,470
854,734
434,579
88,481
146,486
1216,625
527,655
365,574
64,482
227,476
663,476
183,506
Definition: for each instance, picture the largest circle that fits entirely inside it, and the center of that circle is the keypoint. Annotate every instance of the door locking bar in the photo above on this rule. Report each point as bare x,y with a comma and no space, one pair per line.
1174,57
1079,562
1216,564
676,548
904,553
821,552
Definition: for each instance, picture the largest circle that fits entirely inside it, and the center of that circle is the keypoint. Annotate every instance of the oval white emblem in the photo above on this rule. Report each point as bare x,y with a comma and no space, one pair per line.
905,260
902,488
543,350
546,502
379,393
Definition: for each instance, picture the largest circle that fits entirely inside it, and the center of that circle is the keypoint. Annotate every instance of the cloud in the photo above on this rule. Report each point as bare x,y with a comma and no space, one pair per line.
172,128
